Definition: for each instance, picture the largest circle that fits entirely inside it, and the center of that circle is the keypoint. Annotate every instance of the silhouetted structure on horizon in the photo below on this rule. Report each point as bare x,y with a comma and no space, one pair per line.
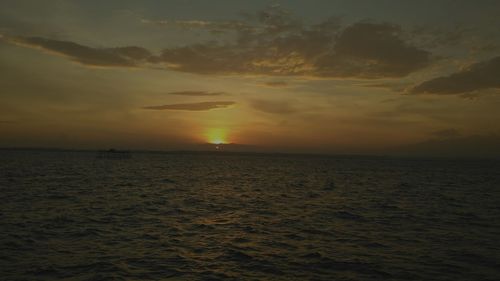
114,154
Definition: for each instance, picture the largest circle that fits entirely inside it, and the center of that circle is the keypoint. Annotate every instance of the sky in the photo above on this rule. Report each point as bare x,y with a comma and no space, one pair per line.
347,77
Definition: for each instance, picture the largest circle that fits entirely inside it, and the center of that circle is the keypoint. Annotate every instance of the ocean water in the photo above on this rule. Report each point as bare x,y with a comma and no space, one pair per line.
213,216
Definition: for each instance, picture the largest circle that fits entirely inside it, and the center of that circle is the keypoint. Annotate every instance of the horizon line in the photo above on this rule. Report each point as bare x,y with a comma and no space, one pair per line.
242,152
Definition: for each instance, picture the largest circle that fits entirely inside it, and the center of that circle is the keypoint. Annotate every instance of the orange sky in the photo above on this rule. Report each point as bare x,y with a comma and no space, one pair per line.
334,77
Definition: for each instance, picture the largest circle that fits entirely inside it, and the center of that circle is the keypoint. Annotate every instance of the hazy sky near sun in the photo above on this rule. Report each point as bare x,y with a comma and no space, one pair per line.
314,76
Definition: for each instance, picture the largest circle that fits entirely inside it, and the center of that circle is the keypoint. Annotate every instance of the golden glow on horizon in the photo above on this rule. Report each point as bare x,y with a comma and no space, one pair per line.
217,136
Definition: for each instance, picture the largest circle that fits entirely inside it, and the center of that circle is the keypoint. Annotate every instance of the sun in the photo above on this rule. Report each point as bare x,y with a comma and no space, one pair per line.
216,136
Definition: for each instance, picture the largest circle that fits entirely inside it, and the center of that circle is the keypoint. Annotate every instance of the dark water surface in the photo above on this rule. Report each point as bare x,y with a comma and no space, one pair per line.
67,215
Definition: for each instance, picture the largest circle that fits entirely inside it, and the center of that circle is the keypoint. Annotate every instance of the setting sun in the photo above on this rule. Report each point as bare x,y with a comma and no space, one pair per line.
250,140
217,136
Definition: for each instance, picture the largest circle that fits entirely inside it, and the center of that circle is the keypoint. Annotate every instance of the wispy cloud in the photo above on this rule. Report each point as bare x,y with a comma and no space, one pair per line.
274,107
198,106
397,86
197,93
212,26
275,84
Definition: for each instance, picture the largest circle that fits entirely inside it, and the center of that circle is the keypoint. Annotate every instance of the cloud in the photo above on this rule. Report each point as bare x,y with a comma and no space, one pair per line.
271,42
212,26
197,93
198,106
277,20
478,76
397,86
117,57
446,133
273,19
274,107
362,50
371,50
276,84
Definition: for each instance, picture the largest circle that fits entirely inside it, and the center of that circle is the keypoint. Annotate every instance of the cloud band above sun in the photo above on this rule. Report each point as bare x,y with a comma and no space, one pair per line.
197,93
198,106
277,45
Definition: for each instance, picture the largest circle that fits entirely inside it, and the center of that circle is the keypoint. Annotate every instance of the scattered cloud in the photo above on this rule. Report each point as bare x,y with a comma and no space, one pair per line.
362,50
446,133
197,93
274,107
198,106
478,76
271,42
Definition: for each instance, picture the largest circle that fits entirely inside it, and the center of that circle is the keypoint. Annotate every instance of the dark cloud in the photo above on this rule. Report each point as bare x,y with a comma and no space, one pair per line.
479,76
198,106
446,133
372,50
274,107
197,93
271,42
362,50
118,57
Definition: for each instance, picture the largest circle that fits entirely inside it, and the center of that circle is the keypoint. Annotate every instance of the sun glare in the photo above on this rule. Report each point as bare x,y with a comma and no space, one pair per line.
217,136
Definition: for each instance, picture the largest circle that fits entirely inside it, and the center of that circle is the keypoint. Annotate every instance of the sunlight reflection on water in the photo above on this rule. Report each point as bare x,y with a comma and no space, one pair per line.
230,216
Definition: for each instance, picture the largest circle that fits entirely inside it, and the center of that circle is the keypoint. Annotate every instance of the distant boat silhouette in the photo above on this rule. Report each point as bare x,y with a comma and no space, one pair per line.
113,154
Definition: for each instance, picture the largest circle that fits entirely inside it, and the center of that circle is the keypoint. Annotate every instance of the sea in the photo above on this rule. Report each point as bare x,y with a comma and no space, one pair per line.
69,215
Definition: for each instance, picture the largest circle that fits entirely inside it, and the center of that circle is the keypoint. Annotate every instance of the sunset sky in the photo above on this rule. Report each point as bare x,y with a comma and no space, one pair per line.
305,76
